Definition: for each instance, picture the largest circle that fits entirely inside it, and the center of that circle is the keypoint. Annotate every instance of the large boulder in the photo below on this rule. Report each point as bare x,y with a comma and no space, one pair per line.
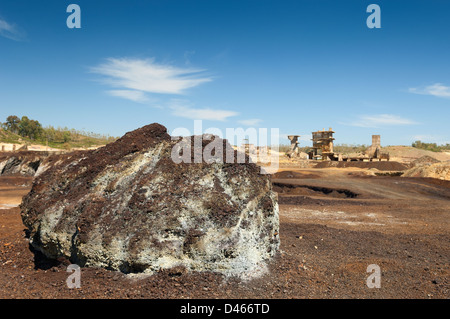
129,206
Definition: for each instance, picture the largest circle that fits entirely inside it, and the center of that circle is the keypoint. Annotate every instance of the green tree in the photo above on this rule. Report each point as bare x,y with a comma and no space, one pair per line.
66,136
24,126
49,134
12,124
35,130
30,128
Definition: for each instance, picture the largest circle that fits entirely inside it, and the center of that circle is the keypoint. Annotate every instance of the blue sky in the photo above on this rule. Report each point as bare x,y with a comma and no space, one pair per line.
299,66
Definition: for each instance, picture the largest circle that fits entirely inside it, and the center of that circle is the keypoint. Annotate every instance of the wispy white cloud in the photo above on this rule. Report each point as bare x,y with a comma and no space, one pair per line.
184,109
135,96
203,114
250,122
148,76
138,80
437,89
379,120
10,31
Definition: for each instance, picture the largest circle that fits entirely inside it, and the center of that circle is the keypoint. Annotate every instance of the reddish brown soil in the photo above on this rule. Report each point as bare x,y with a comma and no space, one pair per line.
327,242
380,165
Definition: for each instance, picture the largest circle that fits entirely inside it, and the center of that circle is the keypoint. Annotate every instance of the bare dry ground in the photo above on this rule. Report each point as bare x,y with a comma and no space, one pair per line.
335,222
407,153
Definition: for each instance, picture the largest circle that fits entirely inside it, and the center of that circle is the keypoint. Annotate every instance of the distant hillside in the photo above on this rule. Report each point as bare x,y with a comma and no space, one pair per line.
70,139
29,131
409,154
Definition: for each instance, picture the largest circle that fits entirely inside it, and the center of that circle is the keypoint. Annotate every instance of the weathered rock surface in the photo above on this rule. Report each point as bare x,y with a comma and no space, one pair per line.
20,163
29,163
128,206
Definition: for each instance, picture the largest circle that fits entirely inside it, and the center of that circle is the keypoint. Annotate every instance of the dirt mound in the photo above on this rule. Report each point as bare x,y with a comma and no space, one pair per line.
130,206
290,189
425,160
440,170
382,166
291,174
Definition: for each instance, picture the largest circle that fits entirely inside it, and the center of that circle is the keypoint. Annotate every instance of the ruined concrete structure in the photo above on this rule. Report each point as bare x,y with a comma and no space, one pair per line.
7,147
247,148
322,144
376,140
323,148
294,151
374,151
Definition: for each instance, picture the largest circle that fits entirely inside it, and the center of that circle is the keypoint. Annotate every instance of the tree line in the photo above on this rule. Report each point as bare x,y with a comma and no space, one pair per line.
32,129
431,146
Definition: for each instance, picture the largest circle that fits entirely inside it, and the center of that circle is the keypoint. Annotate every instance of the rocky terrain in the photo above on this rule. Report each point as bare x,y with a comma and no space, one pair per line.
333,223
21,163
29,163
327,241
